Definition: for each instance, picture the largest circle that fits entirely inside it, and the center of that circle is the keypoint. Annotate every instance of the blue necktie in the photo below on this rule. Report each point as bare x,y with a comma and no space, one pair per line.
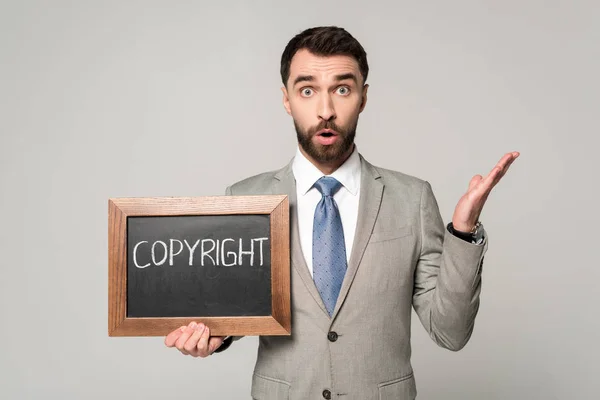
329,248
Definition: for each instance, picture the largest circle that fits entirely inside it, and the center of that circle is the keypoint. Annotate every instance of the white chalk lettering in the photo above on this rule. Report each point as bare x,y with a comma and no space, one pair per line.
229,254
251,252
217,251
260,240
153,253
192,249
134,255
171,255
206,253
226,252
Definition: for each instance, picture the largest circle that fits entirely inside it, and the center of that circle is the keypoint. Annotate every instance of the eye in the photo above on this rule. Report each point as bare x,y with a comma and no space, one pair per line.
306,92
343,90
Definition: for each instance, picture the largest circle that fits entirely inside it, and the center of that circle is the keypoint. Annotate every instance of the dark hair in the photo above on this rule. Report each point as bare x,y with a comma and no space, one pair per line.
324,41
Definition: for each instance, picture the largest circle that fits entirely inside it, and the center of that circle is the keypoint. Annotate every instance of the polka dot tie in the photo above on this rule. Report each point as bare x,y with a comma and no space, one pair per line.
329,249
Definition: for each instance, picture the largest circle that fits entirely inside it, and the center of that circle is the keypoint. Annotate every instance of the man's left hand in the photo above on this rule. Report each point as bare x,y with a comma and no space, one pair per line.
468,209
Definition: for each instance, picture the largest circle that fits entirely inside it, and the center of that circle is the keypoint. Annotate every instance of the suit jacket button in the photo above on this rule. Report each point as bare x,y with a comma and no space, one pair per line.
332,336
327,394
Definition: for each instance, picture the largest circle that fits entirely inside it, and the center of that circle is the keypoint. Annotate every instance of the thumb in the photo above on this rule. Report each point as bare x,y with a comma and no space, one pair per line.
474,181
215,342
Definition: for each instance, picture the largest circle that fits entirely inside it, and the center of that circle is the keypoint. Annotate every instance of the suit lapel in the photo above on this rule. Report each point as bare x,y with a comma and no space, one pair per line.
285,183
371,192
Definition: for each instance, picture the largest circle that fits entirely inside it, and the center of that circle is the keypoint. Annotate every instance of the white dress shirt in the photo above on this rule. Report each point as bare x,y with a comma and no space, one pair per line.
306,174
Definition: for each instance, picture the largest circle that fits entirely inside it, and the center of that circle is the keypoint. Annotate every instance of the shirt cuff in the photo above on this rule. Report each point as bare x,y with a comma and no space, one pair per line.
466,236
226,343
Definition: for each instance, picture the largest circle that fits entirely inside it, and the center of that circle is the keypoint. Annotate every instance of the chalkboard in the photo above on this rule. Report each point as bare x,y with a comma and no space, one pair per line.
198,265
220,260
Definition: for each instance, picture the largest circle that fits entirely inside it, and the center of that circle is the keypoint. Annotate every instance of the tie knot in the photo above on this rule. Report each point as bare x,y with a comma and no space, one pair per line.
327,185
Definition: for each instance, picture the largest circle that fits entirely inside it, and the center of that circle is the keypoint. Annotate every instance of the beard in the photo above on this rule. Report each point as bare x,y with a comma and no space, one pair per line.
326,153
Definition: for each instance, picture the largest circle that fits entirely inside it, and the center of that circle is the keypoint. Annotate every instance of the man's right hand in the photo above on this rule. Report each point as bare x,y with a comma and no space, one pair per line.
194,340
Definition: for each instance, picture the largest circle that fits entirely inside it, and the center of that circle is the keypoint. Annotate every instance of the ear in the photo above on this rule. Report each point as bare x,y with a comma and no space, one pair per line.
364,98
286,100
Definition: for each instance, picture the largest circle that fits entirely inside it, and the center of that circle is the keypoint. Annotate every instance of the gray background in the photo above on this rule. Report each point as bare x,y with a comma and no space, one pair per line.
114,99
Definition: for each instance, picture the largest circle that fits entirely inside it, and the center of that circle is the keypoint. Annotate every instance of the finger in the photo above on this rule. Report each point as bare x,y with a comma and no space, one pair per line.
191,344
500,174
510,158
185,335
172,337
496,173
214,343
505,159
505,169
203,343
487,183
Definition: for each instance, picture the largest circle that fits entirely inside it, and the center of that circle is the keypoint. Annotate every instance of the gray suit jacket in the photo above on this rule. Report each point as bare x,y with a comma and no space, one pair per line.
402,256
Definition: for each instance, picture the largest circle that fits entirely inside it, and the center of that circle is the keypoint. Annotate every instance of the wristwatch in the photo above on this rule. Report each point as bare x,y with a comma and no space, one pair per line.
474,236
477,232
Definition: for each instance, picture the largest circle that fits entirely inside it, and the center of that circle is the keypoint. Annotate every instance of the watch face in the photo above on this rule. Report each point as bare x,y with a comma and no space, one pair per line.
478,234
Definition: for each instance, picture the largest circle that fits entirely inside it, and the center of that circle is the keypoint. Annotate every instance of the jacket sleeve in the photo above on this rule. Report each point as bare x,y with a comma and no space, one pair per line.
447,280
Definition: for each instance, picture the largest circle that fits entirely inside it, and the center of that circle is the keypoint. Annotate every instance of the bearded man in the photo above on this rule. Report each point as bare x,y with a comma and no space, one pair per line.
367,244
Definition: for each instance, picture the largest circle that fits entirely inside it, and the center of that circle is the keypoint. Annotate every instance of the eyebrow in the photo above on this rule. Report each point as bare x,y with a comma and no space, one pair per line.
310,78
349,75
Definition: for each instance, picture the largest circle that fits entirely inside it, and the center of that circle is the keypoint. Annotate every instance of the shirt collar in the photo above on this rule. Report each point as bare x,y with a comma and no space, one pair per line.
306,174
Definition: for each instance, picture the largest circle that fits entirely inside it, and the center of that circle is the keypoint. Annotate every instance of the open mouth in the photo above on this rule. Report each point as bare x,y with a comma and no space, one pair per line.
327,137
327,133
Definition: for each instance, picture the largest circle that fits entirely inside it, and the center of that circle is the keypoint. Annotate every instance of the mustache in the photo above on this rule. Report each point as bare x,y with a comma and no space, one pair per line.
326,125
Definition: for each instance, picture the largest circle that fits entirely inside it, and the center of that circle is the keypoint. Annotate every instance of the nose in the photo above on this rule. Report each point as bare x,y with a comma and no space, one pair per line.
326,109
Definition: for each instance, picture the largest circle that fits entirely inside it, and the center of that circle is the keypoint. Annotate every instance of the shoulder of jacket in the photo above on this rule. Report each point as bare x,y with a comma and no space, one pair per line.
259,182
397,178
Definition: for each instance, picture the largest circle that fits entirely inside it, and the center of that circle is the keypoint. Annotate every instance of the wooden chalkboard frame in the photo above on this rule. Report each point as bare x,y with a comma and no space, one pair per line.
276,206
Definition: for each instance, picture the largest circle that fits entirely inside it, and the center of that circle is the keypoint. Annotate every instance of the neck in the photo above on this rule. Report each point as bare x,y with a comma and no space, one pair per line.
329,167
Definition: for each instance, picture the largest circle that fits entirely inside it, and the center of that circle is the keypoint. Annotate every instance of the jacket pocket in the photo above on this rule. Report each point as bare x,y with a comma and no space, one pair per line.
267,388
403,388
392,234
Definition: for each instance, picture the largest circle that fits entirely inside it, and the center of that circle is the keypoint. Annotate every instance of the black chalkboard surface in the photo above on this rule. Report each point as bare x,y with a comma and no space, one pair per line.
208,265
220,260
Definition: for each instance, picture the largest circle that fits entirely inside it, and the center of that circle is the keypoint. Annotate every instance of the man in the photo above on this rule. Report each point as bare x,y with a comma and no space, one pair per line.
366,244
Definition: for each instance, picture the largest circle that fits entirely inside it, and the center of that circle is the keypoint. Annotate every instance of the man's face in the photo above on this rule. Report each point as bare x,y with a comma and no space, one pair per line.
324,96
